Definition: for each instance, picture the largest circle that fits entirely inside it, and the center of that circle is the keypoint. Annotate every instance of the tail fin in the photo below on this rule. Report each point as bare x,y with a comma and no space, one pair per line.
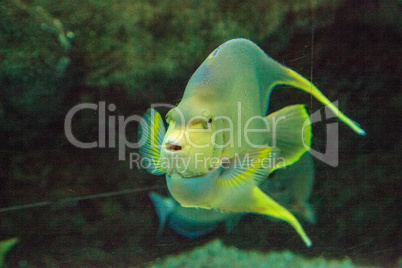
291,78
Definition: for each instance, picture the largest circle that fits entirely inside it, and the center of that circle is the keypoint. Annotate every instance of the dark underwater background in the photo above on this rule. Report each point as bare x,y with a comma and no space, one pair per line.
57,54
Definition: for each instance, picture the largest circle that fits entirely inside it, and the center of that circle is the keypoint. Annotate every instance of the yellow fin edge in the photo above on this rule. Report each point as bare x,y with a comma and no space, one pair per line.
268,206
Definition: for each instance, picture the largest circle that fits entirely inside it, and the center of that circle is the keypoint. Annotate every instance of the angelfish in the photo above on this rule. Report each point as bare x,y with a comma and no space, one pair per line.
221,122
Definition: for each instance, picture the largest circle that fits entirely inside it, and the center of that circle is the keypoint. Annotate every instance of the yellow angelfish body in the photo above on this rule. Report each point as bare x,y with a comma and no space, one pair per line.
220,144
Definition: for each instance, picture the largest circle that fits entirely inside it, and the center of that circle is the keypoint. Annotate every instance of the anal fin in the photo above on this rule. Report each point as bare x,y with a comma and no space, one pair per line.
267,206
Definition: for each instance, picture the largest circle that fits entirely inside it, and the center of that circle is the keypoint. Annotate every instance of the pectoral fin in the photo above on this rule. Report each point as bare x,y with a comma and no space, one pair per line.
238,176
152,131
248,167
290,132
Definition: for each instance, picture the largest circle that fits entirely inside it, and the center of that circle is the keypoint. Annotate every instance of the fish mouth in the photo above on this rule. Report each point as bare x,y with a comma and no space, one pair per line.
173,147
184,162
170,149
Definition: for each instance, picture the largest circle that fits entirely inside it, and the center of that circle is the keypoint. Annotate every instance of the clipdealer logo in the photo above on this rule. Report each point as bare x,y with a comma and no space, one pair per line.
108,137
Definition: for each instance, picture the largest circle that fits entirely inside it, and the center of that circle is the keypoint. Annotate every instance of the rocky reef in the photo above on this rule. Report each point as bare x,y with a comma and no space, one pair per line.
216,254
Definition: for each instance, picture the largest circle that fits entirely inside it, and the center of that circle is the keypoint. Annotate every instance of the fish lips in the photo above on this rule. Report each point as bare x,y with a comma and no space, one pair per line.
185,162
